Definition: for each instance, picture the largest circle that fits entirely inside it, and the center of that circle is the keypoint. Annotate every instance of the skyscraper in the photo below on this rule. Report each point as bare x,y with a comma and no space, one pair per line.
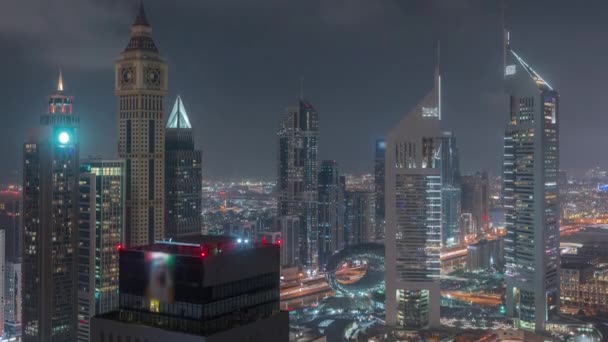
450,191
290,230
141,87
413,215
331,211
183,176
475,197
379,162
359,216
530,171
50,221
11,223
3,273
298,175
100,228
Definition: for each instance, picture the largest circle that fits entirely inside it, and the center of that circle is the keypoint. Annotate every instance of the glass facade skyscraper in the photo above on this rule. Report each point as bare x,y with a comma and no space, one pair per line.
379,162
450,191
297,184
100,228
331,211
413,215
50,221
530,171
183,176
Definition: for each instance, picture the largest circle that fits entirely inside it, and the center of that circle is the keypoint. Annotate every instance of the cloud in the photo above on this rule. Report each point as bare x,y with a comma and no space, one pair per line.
78,33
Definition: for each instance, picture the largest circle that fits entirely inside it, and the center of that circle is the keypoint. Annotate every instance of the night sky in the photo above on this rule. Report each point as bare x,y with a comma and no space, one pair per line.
365,63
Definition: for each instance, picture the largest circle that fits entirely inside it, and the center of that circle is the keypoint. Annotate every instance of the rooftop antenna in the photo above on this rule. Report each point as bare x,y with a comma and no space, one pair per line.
60,82
301,88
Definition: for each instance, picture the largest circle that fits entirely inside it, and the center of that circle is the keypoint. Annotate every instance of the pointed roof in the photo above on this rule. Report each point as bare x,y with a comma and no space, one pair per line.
511,69
141,16
141,33
179,117
60,83
535,76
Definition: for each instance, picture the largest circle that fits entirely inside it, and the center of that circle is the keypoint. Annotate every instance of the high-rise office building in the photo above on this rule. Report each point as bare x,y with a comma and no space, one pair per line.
450,191
3,273
204,288
297,185
141,87
50,221
530,175
331,211
10,220
413,215
11,223
379,162
475,197
183,176
359,216
100,228
12,299
290,233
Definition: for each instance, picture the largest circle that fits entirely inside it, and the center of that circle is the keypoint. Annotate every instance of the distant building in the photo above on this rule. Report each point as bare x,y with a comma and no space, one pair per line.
290,233
12,298
100,228
208,288
183,176
3,280
297,184
476,199
485,254
50,221
450,191
331,211
467,225
360,215
379,168
413,215
141,84
11,223
531,196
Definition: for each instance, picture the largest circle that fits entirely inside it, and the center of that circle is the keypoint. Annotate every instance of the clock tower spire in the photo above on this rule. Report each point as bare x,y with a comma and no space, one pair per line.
141,87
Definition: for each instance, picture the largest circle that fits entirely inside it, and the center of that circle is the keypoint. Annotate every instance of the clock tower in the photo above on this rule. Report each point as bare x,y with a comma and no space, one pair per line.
141,86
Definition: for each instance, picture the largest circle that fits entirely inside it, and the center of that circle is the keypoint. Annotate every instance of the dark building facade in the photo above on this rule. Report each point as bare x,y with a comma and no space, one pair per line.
450,191
208,288
379,167
183,176
11,222
331,211
360,214
297,186
50,216
475,199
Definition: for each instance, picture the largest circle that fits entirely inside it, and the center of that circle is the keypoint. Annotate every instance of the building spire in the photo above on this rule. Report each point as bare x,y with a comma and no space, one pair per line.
301,88
60,82
141,19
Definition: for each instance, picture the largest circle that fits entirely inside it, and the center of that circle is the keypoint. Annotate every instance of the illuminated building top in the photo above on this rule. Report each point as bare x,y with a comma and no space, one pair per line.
179,116
59,102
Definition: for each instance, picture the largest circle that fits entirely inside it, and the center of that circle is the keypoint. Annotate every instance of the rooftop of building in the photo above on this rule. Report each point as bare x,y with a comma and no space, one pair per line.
203,245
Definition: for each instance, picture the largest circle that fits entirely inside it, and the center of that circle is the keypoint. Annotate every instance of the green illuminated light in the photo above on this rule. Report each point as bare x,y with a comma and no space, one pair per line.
64,138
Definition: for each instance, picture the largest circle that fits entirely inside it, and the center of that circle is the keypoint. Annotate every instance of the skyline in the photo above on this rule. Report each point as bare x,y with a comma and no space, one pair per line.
218,78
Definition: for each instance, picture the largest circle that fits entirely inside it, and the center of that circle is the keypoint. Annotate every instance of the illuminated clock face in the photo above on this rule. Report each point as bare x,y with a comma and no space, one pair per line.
63,137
